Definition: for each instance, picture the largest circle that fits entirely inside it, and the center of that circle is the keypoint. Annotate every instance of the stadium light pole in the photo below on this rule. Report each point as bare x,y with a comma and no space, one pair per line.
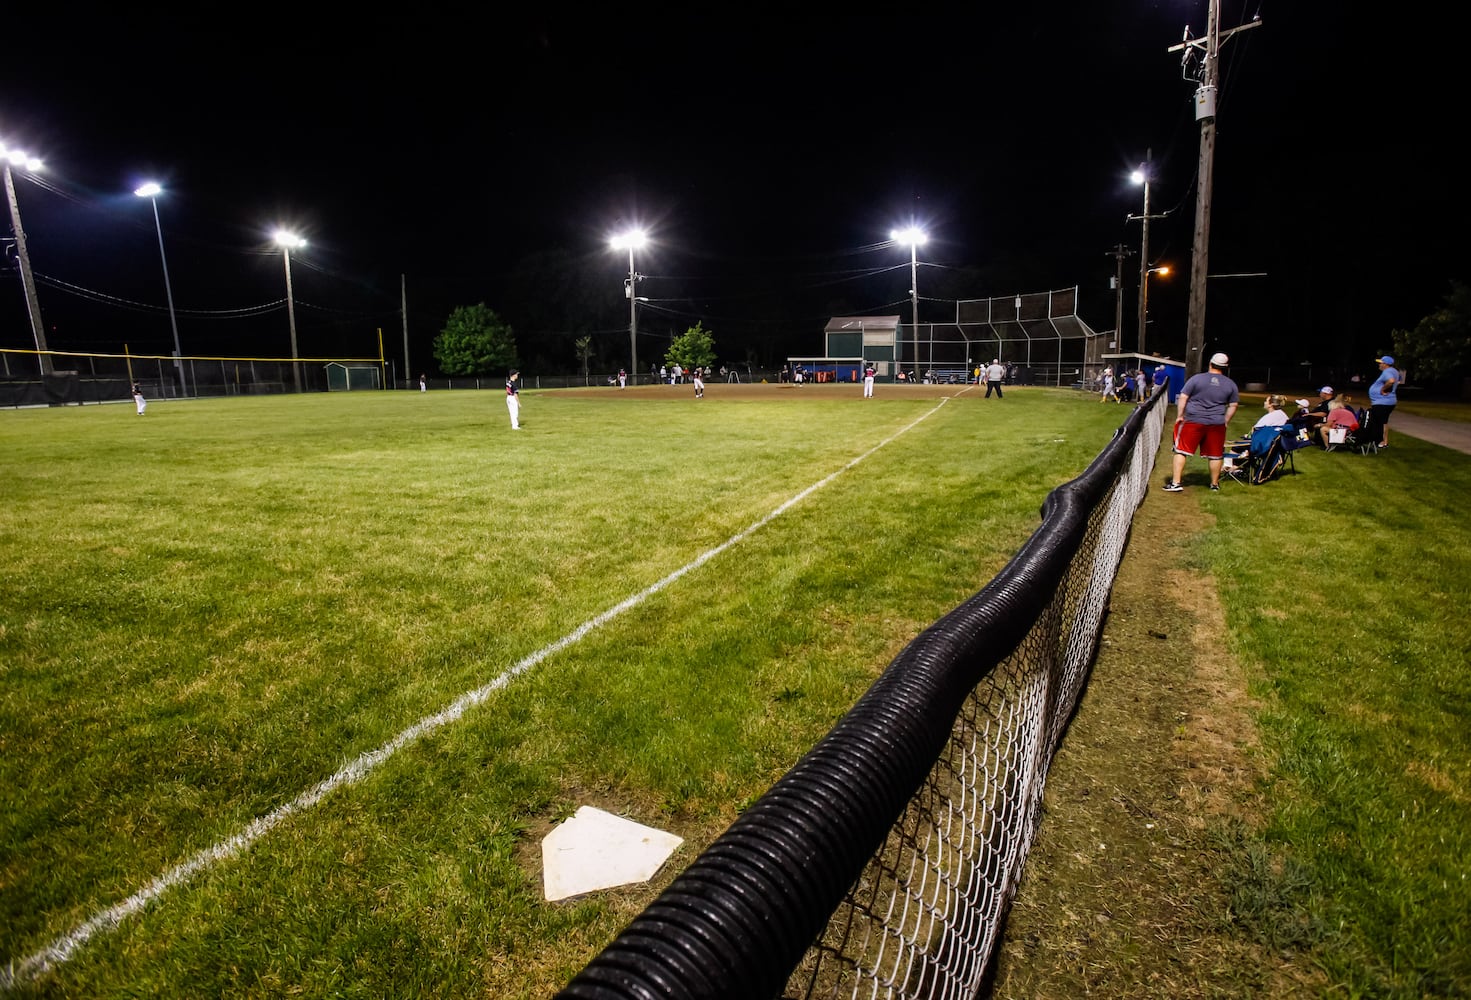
632,240
15,158
916,238
1141,176
151,191
286,241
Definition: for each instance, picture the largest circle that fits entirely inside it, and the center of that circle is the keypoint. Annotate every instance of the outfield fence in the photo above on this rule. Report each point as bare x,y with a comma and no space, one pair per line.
884,862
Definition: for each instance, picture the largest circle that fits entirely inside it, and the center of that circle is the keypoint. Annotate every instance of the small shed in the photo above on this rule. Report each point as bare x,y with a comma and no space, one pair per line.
867,338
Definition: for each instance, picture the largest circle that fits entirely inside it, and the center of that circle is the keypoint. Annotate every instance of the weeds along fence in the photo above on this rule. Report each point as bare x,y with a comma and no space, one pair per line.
883,863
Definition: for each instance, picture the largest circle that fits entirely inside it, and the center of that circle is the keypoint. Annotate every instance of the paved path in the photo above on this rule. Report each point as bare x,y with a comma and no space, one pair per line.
1450,433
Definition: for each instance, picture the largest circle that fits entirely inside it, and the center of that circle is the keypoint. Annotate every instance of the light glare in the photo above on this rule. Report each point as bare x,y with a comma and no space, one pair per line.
913,235
634,239
285,239
148,190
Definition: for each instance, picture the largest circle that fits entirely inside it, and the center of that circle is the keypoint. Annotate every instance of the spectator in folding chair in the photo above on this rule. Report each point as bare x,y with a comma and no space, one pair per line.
1339,428
1268,454
1275,416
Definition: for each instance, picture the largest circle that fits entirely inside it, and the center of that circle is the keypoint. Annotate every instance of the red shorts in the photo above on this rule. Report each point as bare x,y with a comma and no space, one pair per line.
1208,439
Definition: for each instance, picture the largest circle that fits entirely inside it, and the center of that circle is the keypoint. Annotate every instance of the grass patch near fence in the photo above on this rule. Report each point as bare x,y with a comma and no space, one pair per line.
210,609
1347,585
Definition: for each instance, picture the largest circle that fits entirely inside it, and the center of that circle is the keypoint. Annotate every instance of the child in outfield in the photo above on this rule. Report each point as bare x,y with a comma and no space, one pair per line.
138,398
697,375
513,399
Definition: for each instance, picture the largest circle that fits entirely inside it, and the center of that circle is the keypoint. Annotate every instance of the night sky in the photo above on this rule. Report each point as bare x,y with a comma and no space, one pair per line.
490,158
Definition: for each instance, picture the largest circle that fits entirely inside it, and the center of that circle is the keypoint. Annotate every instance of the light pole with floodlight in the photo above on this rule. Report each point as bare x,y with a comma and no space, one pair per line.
151,191
1142,176
286,241
915,237
8,158
632,240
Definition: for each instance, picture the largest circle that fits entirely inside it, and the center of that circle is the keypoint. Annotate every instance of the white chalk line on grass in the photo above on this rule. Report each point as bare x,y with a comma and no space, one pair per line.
59,951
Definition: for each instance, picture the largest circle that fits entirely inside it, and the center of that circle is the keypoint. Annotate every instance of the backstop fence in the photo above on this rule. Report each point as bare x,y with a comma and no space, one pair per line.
884,862
1041,333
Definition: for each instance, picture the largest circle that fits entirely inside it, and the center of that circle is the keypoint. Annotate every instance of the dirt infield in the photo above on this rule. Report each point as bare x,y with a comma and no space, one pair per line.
769,390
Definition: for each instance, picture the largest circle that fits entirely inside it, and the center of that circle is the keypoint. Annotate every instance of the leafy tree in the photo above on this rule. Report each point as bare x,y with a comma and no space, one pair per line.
474,341
1440,345
693,348
583,345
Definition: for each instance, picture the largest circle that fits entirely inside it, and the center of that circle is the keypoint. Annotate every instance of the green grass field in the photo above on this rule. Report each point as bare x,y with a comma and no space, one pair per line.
331,655
210,611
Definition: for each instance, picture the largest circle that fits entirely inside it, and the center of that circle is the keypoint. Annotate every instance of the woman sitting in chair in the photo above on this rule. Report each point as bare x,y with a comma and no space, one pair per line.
1341,419
1275,415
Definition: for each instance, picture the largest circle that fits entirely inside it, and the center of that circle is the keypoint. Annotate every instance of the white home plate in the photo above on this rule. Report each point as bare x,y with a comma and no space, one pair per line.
597,850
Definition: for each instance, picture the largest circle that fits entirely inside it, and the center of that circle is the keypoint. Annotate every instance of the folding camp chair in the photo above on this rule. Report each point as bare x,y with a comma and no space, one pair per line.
1366,439
1258,458
1291,442
1236,463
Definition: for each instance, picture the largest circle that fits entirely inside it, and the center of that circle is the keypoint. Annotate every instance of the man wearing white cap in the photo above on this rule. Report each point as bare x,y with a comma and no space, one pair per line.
1203,409
1382,399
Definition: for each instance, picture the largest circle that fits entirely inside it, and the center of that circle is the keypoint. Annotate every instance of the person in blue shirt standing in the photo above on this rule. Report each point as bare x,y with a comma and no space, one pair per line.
1382,399
1203,409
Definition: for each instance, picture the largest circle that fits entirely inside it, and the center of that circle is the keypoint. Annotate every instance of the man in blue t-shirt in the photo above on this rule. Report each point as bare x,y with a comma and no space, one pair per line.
1205,406
1382,399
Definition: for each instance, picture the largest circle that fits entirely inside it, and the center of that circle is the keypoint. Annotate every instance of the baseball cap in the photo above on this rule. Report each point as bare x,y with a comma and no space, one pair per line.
1303,403
1220,360
1386,360
1327,390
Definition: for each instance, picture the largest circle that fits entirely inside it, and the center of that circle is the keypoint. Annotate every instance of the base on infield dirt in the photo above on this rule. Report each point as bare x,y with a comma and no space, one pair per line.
597,850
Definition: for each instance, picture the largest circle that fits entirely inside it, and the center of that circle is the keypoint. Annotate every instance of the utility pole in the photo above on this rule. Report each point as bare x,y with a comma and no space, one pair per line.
403,297
1119,254
1207,51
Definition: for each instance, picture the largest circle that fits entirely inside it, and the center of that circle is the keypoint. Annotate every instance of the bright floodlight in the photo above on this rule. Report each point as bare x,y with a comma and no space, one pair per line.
914,236
148,190
631,240
1138,177
285,239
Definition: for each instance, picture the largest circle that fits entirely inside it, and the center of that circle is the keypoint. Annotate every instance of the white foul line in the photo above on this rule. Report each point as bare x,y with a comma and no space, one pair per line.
59,951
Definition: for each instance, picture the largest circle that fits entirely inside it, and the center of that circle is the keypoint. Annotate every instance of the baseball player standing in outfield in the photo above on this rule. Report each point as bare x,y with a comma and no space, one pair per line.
697,374
513,399
868,373
138,398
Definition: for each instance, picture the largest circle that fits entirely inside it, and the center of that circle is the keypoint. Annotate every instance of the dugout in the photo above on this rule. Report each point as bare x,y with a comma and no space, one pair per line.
828,369
1147,363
